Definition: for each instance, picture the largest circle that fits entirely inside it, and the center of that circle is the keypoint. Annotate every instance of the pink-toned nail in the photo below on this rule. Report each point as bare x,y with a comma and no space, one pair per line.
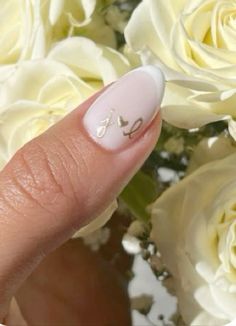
126,108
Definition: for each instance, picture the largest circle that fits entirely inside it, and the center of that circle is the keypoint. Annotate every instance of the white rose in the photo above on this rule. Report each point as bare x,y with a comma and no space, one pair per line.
194,43
194,227
29,28
38,93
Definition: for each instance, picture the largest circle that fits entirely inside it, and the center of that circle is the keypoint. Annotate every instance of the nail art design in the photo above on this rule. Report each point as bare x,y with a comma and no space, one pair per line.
135,127
121,122
106,123
126,108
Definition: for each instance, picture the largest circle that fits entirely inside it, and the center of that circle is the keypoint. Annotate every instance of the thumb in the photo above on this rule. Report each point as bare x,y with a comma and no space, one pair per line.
64,178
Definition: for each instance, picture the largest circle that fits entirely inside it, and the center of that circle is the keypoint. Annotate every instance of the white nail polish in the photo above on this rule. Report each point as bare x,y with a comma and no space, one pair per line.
126,108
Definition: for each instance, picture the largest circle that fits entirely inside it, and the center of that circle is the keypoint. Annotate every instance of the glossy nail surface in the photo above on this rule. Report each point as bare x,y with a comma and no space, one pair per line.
126,108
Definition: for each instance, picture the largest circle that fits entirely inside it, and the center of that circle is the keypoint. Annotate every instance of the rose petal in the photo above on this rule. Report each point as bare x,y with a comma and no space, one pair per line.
55,10
97,223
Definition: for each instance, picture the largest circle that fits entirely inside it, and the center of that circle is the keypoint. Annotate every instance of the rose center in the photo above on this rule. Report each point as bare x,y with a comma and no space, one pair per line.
210,26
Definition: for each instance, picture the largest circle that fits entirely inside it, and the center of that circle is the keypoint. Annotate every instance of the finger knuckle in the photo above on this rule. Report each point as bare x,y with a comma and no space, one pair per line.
35,173
75,164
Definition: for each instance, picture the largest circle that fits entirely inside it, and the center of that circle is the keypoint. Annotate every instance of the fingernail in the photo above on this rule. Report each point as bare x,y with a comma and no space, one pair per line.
125,110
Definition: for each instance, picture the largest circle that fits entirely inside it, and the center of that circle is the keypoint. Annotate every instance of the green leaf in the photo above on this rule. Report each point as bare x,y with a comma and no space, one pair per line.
138,194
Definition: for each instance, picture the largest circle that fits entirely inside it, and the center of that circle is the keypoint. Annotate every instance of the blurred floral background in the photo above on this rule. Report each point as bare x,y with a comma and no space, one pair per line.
182,204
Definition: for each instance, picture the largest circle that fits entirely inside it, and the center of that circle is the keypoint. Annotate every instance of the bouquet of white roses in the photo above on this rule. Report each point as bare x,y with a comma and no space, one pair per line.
56,53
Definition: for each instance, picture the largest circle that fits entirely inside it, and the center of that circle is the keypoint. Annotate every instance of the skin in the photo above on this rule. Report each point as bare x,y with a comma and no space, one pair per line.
84,282
53,186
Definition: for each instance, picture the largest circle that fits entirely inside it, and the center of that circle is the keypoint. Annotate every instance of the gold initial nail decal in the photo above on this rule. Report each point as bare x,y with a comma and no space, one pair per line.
135,127
105,124
121,122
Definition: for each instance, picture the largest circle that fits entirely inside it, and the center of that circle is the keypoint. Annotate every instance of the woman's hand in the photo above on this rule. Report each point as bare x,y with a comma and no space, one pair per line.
59,182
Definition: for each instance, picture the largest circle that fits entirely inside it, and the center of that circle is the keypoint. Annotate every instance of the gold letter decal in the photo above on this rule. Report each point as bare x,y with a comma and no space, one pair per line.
105,124
135,127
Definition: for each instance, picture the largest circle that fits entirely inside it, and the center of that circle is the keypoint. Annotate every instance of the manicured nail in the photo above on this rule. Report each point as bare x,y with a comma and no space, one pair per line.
126,109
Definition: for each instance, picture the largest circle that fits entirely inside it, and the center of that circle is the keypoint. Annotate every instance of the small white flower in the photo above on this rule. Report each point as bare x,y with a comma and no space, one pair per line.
131,244
97,238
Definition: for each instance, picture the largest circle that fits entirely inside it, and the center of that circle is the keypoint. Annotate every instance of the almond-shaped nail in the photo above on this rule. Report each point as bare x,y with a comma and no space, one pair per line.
125,110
